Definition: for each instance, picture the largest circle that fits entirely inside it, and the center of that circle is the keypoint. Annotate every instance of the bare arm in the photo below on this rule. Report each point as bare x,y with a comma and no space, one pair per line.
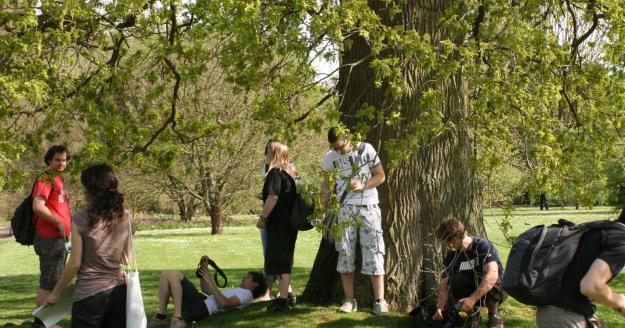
204,286
325,192
270,203
491,275
443,296
71,268
377,178
223,301
128,251
594,285
443,288
43,212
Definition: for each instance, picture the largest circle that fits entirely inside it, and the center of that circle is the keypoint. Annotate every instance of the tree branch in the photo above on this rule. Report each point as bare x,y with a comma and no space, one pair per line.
319,103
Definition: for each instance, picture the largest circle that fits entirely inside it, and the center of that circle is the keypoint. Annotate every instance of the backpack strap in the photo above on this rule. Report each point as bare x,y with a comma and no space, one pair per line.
32,190
361,150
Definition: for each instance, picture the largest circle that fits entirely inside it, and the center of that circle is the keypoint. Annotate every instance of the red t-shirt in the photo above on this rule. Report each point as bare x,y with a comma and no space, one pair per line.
57,202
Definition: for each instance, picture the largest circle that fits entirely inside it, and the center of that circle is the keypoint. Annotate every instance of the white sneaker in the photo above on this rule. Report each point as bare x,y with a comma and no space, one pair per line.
349,306
380,308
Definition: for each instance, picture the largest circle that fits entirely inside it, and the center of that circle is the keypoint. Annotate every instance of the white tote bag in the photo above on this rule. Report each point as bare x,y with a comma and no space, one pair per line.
135,313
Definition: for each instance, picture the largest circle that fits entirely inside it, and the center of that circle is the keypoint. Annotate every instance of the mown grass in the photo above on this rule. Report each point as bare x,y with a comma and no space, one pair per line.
238,251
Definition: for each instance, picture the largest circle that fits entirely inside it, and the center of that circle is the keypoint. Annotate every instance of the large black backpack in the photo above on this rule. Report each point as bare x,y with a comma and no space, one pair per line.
302,210
541,255
22,222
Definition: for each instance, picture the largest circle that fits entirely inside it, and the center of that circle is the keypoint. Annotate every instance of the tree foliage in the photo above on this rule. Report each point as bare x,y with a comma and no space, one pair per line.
125,81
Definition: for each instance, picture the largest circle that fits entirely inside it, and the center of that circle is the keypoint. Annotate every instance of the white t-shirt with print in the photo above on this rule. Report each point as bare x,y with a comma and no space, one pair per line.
244,295
363,164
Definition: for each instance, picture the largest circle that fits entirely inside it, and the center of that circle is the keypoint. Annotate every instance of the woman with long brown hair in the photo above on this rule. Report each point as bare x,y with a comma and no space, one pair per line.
278,198
100,235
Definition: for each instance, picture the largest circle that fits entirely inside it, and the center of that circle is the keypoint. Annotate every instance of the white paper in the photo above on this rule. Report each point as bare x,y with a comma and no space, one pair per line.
54,313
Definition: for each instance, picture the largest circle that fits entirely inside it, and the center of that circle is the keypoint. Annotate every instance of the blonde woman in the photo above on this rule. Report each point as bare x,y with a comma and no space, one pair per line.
278,198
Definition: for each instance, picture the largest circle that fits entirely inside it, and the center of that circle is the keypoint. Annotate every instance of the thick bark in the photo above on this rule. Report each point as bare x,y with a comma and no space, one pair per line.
435,182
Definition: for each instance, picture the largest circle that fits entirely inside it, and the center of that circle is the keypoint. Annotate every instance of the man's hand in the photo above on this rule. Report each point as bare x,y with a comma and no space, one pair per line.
356,186
438,315
61,227
204,273
467,303
51,300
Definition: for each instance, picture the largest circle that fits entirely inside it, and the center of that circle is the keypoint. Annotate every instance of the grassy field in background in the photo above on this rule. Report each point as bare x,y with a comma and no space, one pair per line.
238,251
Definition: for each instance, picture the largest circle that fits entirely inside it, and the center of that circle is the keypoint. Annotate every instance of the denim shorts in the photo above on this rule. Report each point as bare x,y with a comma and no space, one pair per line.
52,256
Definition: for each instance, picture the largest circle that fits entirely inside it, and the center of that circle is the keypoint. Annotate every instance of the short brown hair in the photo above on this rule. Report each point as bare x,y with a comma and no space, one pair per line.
261,284
449,228
56,149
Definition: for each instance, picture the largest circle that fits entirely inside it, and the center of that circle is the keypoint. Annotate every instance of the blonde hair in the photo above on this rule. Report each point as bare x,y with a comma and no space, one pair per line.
280,158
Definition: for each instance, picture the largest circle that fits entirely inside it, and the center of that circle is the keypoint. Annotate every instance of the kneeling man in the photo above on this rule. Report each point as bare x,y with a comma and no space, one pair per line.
191,305
472,276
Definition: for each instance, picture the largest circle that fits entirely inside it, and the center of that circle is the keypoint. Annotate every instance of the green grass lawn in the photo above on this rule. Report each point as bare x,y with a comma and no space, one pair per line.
238,251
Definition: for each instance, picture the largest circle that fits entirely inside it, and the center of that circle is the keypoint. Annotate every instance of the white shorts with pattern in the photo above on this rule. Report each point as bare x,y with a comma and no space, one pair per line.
366,221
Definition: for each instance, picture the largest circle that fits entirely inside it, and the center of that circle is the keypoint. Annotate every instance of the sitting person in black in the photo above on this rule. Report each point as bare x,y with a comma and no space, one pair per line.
472,275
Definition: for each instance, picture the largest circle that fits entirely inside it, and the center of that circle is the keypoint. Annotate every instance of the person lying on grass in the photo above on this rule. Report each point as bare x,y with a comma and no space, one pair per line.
191,305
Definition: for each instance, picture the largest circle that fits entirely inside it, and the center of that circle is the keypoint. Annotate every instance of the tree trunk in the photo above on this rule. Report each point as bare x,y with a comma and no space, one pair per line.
435,182
216,212
186,209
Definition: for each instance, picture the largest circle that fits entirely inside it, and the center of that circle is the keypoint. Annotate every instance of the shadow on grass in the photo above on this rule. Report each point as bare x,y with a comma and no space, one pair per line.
17,301
169,235
372,321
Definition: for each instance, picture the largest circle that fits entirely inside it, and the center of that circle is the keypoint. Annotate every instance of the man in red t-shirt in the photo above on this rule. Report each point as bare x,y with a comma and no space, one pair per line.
52,217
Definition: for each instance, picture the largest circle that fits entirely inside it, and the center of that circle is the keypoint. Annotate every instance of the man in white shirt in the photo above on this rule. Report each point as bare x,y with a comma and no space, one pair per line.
356,172
191,305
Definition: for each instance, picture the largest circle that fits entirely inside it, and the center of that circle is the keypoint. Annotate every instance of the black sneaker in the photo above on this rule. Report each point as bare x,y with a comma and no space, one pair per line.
278,305
291,299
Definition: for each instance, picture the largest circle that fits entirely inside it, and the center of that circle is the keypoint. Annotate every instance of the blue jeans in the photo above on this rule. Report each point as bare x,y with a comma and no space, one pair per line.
263,239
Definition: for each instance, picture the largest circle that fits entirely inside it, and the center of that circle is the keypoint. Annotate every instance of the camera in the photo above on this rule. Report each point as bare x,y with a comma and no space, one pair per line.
203,264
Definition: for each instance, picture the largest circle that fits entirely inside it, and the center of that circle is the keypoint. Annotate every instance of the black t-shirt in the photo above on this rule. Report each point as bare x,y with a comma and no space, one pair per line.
608,245
480,253
278,182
